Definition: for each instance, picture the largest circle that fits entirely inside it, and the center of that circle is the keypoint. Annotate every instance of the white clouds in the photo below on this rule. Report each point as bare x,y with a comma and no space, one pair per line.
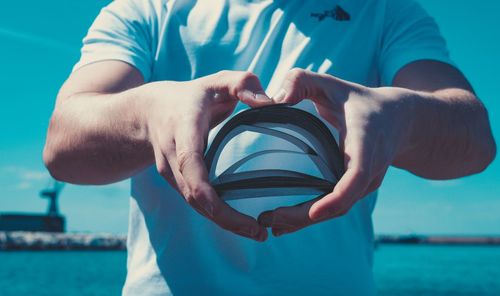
124,185
24,185
35,39
24,178
120,189
445,183
34,175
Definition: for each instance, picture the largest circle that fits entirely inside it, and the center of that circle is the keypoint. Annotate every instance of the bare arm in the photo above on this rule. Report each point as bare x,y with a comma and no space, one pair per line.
451,136
430,123
108,125
96,135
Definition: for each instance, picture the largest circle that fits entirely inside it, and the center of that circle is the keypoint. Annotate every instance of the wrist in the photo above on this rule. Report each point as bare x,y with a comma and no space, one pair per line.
422,115
411,117
142,105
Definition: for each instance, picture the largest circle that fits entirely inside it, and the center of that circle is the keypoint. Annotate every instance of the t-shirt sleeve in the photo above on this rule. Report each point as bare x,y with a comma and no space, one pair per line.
409,34
122,31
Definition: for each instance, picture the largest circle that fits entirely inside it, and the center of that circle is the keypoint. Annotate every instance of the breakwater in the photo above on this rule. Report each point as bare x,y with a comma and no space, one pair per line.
19,240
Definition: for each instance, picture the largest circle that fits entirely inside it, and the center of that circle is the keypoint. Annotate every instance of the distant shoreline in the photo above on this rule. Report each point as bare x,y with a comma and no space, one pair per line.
438,240
41,241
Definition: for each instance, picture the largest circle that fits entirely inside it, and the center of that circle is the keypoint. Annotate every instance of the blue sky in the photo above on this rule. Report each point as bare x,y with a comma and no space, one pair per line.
39,46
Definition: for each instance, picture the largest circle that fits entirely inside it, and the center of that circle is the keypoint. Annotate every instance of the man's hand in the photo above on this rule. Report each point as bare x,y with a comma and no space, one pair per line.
108,125
178,128
380,127
372,125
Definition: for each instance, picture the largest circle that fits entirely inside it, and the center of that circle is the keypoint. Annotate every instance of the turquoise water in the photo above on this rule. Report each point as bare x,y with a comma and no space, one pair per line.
61,273
399,270
437,270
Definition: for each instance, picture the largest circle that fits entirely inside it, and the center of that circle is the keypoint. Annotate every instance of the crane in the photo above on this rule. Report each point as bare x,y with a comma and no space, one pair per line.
52,193
52,221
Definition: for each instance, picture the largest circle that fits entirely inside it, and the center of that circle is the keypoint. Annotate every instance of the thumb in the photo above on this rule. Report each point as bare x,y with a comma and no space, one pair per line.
250,91
300,84
243,86
348,190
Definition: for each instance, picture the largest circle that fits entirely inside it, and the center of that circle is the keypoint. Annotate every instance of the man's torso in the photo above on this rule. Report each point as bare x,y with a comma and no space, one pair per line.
174,249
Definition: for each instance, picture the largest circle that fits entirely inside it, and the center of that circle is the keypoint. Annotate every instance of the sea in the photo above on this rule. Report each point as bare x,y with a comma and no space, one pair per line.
399,270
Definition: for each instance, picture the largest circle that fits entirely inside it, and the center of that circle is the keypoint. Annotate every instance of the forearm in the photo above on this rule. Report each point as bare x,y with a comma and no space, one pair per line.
98,138
450,135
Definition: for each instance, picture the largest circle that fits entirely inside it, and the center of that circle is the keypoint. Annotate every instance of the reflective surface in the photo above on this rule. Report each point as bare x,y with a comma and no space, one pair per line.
399,270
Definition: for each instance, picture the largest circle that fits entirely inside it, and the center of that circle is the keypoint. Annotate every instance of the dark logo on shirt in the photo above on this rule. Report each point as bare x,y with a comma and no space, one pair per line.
338,14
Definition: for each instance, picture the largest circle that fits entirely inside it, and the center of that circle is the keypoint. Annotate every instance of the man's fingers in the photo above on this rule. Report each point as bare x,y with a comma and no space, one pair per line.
243,86
302,84
189,146
348,190
299,84
166,166
358,158
345,194
200,194
252,93
232,220
288,219
247,87
163,168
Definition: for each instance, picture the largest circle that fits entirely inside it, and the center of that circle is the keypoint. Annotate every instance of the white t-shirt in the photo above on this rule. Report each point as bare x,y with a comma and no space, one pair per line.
171,248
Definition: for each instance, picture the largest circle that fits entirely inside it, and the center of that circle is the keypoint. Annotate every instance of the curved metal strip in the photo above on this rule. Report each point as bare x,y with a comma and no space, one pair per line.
320,164
325,154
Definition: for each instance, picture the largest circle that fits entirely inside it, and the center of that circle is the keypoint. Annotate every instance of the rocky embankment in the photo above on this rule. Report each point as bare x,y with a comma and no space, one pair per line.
19,240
